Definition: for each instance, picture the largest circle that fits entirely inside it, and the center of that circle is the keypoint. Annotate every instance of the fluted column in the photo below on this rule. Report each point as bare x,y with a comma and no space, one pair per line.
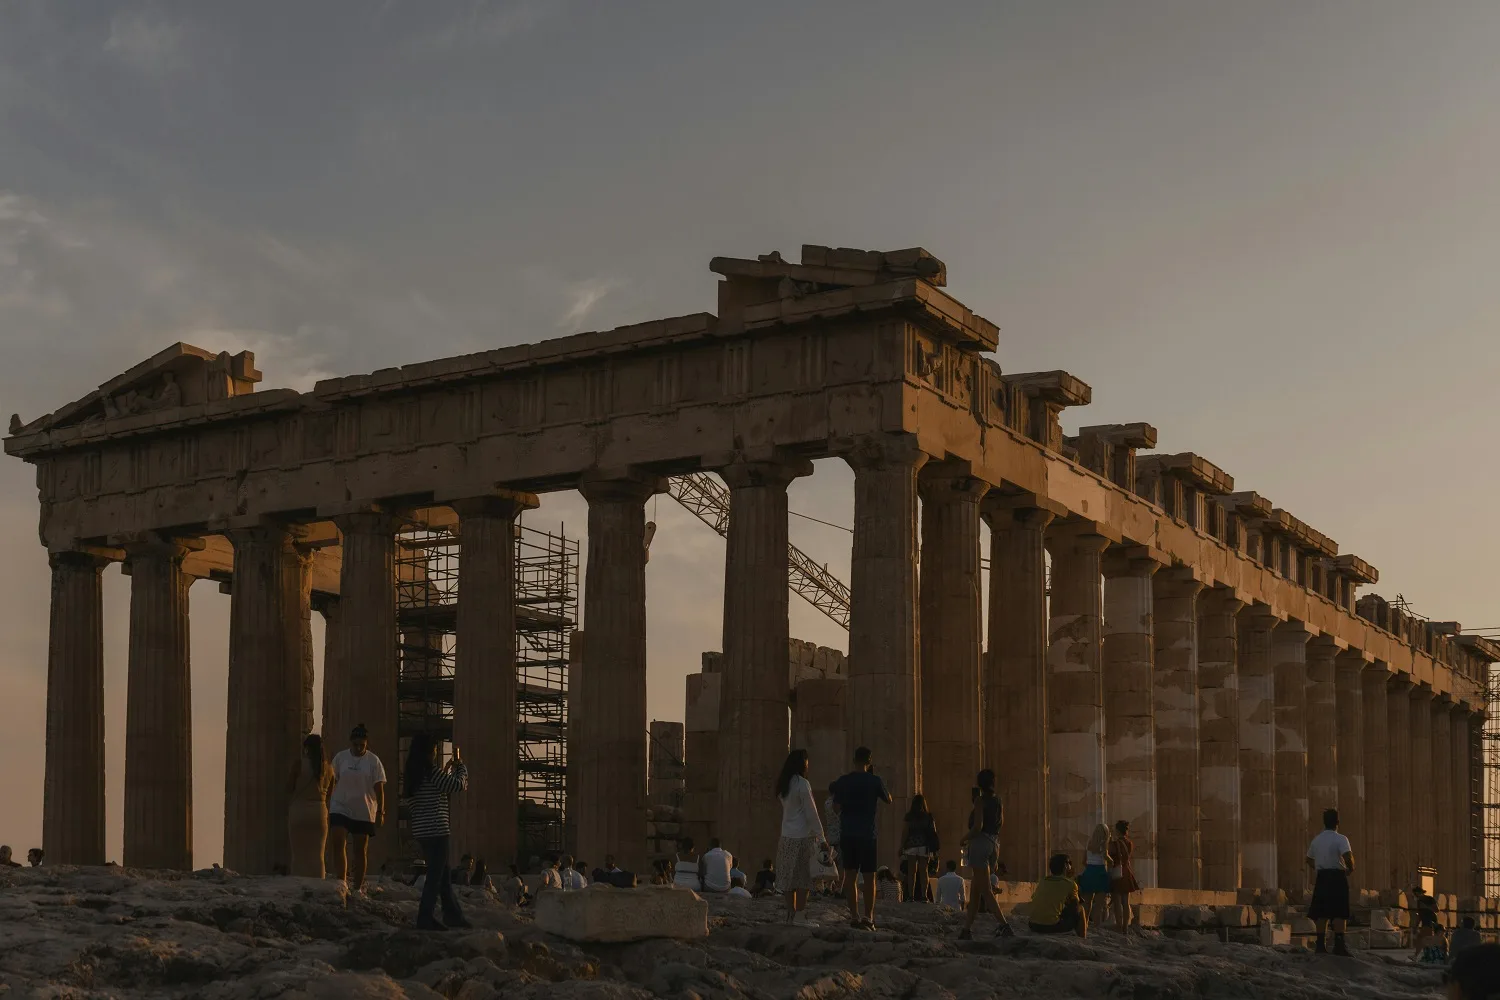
884,695
73,789
1257,749
335,724
1423,801
1459,767
1322,733
1444,807
1398,746
265,696
754,702
1219,737
1289,654
1075,687
1175,692
612,769
158,711
484,675
367,655
952,646
1015,714
1348,669
1377,840
1129,701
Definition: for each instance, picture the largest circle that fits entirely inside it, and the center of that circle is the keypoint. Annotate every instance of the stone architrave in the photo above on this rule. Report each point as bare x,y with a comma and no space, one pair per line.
754,701
1322,732
73,787
1289,654
1219,737
265,695
1349,668
1175,692
1015,712
1444,808
1378,859
1258,803
1075,686
484,675
1399,778
952,644
368,655
1129,701
1423,805
159,711
612,779
884,689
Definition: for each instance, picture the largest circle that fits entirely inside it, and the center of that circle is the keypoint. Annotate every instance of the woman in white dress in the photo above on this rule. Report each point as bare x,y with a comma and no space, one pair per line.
801,833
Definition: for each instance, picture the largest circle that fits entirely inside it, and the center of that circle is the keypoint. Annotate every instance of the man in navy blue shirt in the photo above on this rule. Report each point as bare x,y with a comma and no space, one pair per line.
856,795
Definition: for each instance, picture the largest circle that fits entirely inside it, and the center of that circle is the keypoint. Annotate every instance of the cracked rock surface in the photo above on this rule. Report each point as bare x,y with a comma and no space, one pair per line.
79,933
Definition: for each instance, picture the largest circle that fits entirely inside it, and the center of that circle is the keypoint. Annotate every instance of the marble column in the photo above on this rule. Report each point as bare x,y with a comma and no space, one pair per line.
1322,733
952,647
612,778
158,711
1129,703
1219,737
1423,801
484,675
368,654
1444,807
754,701
1348,669
1015,715
1075,687
1175,693
265,695
1398,747
1376,841
884,694
1257,680
1289,656
1460,762
335,723
73,787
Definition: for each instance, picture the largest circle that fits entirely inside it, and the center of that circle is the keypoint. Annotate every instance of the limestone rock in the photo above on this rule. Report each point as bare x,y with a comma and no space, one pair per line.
1272,935
602,913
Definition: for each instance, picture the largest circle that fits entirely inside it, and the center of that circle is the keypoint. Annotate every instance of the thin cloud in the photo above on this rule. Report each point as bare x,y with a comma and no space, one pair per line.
487,22
583,296
146,41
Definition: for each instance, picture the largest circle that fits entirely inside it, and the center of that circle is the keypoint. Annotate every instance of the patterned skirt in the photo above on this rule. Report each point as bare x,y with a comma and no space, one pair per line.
794,863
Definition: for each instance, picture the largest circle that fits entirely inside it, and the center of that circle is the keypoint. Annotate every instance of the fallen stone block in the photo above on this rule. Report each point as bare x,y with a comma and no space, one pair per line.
1380,920
1272,935
1242,935
1236,916
1302,925
1387,939
602,913
1147,914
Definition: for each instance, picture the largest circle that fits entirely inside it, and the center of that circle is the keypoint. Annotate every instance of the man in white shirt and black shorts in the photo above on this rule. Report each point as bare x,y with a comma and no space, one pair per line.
356,807
1331,859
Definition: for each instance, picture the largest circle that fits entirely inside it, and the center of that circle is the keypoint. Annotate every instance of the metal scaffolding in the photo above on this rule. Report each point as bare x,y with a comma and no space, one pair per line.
428,558
1489,761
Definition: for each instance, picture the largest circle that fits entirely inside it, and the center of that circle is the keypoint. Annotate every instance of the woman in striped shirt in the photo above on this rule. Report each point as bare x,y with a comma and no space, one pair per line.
427,788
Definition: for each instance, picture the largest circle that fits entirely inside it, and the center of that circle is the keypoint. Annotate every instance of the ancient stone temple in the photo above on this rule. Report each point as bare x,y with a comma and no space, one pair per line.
1163,647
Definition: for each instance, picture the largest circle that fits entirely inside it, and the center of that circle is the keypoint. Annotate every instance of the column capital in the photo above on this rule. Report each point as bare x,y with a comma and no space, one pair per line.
84,557
1295,628
364,518
951,480
1352,658
885,451
744,474
324,603
1132,560
157,545
998,503
602,485
1180,580
500,503
1261,616
1081,533
1328,641
1399,683
1221,600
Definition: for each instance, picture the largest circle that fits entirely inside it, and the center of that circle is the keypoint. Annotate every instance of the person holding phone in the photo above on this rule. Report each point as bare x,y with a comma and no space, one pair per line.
428,788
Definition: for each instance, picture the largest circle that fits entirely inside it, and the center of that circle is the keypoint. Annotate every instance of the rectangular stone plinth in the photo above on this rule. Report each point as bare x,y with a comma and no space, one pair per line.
602,913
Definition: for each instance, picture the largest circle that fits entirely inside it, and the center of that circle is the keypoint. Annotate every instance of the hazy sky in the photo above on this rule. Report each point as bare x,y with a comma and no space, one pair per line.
1270,229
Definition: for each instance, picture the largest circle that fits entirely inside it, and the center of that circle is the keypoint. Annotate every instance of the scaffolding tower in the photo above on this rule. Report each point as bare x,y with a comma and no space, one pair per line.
1489,754
428,557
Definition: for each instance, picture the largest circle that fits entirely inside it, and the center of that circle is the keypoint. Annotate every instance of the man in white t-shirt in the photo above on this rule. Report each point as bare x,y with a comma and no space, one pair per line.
1331,860
952,888
714,868
356,807
571,878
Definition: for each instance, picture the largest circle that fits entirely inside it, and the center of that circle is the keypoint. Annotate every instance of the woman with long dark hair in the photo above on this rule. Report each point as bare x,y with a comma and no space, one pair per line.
427,787
919,843
801,833
307,813
981,843
1122,880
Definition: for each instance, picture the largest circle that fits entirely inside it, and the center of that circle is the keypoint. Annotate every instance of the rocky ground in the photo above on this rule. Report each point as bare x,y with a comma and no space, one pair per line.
87,933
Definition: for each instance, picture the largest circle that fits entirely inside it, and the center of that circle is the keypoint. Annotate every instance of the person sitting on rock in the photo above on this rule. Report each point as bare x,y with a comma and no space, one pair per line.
551,877
737,888
5,858
464,870
1465,937
887,886
1475,973
572,878
34,857
714,868
765,879
480,877
687,869
1055,905
952,888
513,888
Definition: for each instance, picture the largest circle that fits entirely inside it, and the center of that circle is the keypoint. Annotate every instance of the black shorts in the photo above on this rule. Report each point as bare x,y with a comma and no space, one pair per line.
857,854
363,827
1330,898
1067,922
